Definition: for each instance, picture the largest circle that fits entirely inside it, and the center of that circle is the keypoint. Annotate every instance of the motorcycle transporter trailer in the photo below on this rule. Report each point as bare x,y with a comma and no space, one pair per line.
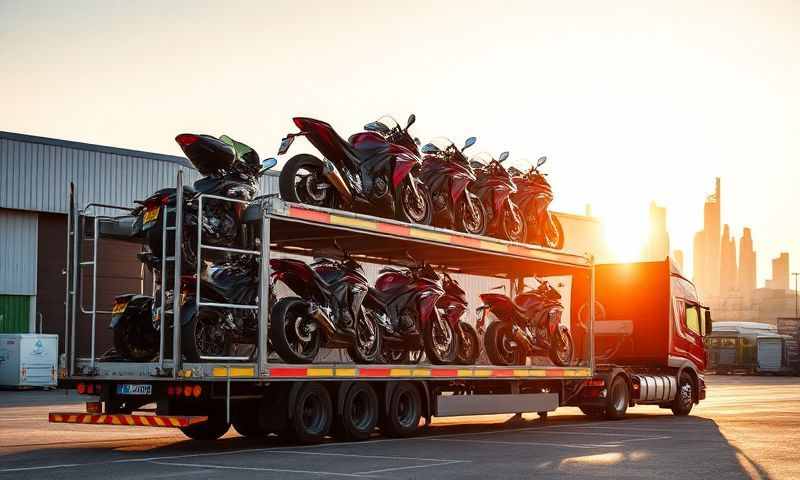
307,402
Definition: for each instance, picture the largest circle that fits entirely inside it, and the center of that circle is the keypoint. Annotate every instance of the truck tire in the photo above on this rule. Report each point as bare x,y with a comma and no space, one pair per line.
359,414
403,411
618,399
684,399
311,414
215,427
594,412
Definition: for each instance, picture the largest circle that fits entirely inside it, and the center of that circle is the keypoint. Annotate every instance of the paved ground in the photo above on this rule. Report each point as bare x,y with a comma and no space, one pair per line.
748,428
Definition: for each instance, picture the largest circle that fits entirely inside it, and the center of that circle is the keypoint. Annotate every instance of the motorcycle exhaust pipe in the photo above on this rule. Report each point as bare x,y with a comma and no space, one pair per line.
521,338
333,176
323,319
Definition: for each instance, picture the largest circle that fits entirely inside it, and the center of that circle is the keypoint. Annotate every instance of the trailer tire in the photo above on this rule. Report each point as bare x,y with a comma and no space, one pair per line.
594,412
684,399
310,414
618,399
403,411
213,428
359,414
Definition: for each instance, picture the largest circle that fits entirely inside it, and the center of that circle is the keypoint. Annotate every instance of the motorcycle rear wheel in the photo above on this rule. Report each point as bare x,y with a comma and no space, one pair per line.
203,336
299,180
292,331
498,348
134,340
466,222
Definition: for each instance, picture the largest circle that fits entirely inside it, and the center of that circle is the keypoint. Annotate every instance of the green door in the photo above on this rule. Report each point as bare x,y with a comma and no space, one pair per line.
14,313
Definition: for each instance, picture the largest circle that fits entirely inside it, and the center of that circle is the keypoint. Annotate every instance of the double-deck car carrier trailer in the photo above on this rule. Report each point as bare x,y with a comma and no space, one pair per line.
258,394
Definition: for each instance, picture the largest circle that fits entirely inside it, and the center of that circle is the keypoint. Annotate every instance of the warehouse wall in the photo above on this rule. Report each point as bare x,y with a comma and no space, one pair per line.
18,233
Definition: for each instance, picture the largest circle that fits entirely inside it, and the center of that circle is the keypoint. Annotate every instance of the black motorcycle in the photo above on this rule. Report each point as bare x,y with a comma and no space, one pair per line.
230,169
327,310
374,172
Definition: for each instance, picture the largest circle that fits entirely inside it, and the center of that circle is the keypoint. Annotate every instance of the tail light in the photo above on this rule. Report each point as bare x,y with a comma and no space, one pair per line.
81,388
186,139
90,389
170,390
595,382
187,391
197,391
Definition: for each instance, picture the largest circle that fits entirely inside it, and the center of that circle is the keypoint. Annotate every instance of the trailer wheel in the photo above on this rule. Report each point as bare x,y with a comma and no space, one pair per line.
401,418
311,413
684,400
359,413
594,412
618,399
215,427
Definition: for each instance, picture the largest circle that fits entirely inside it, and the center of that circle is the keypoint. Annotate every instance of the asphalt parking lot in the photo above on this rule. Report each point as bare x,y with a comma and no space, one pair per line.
748,428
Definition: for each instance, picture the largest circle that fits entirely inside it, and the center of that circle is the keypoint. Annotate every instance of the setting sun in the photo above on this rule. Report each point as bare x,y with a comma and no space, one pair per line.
625,230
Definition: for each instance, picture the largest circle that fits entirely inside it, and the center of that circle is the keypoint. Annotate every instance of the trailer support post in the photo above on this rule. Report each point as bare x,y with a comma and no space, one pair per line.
176,297
263,295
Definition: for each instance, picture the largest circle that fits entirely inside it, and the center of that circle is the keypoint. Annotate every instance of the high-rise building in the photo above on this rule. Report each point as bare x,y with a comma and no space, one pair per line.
677,256
707,245
657,246
747,265
727,266
780,273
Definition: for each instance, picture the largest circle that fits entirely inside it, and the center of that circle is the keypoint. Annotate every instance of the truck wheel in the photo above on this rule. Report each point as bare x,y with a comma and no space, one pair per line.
311,414
403,412
293,332
359,413
684,400
212,429
594,412
618,399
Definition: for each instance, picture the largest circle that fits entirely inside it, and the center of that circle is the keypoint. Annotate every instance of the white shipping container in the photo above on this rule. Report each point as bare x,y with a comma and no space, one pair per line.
28,360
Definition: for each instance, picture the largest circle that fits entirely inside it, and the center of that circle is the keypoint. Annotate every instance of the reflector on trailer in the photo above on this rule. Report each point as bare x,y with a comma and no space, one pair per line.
167,421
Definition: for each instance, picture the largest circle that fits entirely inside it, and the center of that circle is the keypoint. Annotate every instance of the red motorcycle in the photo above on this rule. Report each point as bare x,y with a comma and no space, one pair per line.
533,196
494,187
404,302
375,172
452,306
448,174
528,325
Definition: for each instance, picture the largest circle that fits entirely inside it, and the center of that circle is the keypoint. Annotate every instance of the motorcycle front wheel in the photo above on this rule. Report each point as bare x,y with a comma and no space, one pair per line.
366,346
302,181
469,345
411,208
441,342
561,347
501,348
514,227
473,220
294,334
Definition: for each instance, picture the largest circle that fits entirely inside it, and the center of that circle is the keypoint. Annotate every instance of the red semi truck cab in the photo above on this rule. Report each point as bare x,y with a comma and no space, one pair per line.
648,331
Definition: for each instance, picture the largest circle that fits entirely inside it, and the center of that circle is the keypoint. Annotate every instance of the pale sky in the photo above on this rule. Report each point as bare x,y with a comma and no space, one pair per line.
630,101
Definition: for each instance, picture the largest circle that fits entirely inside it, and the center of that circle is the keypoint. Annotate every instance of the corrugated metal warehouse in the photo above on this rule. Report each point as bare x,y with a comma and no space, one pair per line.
36,173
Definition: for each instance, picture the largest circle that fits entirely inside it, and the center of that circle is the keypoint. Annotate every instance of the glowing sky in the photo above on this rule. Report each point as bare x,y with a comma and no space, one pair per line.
631,101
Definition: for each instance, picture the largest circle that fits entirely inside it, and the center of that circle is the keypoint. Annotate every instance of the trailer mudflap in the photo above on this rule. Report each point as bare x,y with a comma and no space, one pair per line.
167,421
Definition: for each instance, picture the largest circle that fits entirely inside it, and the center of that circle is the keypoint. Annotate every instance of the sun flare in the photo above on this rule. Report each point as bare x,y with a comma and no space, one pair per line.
625,231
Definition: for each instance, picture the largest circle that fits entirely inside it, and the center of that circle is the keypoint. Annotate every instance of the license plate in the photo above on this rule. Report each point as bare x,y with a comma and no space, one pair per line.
119,308
285,144
134,389
150,216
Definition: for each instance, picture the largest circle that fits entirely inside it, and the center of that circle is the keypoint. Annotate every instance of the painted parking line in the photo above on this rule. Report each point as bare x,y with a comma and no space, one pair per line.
535,444
394,469
255,469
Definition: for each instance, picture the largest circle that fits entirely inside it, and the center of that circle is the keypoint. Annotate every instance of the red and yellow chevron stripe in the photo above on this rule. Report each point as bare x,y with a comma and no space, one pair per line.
433,372
169,421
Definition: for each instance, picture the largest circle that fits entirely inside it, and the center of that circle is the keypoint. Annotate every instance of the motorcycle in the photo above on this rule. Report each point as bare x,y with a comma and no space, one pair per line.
448,174
530,324
404,304
533,197
375,172
211,331
328,310
494,187
452,305
230,169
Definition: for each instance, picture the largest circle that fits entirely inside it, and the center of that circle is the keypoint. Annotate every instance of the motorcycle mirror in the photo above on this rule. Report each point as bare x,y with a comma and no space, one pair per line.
541,161
268,163
417,141
468,143
503,157
411,119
